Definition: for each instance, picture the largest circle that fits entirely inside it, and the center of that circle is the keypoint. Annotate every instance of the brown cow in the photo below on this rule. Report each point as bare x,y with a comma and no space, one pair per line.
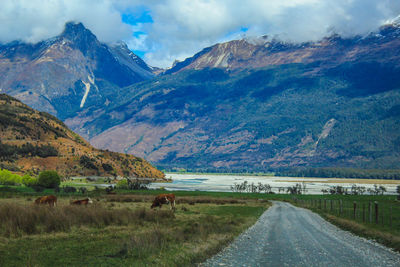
85,201
51,200
164,199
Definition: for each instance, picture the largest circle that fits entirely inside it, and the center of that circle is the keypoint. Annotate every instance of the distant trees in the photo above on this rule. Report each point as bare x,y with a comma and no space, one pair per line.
340,172
11,152
266,188
251,188
87,162
355,190
9,178
133,184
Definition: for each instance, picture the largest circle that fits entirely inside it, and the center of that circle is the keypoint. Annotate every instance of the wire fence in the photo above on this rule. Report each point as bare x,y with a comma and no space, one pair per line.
374,213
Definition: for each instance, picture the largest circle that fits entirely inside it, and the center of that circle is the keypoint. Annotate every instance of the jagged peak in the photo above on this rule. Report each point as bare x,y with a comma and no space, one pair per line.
76,30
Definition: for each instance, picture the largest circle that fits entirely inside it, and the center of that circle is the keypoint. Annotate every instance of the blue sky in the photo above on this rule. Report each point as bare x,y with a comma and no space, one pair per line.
161,31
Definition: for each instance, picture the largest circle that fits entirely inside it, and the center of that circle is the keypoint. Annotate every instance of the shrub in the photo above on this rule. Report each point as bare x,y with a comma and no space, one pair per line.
83,190
87,162
122,184
107,167
28,180
38,188
69,189
8,178
49,179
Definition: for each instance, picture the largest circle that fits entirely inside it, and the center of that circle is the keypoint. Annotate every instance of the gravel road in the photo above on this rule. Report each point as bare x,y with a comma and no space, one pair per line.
286,235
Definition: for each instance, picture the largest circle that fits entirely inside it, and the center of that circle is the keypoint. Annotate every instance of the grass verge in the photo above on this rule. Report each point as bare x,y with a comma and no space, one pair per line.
385,238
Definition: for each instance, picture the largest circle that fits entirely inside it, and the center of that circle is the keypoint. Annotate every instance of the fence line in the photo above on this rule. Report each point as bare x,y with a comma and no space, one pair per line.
374,213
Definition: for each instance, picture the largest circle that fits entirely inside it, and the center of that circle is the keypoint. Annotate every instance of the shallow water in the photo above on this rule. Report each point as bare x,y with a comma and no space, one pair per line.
222,183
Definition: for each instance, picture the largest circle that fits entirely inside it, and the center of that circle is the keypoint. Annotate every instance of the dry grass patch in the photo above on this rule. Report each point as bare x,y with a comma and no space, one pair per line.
18,220
385,238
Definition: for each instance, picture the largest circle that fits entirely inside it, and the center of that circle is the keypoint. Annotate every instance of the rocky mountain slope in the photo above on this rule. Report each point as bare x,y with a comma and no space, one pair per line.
69,73
331,51
331,103
31,141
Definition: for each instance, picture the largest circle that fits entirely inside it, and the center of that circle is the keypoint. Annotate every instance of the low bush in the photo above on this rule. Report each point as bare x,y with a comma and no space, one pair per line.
49,179
68,189
28,180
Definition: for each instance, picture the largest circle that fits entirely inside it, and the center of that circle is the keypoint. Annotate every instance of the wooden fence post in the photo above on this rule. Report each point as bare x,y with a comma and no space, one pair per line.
376,212
391,218
354,209
324,204
363,212
340,207
331,205
320,204
370,212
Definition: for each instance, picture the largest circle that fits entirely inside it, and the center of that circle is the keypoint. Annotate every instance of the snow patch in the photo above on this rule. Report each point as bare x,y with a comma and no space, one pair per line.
87,89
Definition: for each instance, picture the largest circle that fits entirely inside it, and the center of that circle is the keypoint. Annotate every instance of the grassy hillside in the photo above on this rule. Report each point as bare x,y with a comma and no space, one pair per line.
31,141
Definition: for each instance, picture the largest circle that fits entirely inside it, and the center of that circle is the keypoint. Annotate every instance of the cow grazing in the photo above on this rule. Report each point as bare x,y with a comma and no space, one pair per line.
164,199
85,201
51,200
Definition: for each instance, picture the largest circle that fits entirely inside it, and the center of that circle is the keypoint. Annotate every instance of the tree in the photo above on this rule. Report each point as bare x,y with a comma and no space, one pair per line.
49,179
398,192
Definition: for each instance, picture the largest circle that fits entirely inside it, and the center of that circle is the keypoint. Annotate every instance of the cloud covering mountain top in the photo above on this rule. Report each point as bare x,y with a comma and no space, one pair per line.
179,28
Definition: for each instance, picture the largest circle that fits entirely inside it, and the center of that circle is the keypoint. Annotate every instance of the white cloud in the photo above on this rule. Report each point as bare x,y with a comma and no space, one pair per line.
181,28
35,20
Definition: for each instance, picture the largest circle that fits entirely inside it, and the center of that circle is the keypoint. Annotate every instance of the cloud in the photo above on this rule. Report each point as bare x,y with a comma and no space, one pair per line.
166,30
35,20
181,27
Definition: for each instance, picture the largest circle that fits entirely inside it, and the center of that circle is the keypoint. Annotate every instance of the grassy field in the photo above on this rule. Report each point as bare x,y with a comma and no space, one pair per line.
119,230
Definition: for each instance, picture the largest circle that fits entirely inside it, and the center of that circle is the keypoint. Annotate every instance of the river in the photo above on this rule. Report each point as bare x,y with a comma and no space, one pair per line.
222,183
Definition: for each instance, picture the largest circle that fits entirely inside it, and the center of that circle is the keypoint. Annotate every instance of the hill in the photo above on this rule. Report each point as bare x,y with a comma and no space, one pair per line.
32,141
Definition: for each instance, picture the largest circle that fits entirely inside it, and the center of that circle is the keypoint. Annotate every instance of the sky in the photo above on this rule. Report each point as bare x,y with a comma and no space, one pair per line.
162,31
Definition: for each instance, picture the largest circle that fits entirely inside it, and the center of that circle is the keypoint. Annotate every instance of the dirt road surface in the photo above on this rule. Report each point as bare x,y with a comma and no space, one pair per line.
286,235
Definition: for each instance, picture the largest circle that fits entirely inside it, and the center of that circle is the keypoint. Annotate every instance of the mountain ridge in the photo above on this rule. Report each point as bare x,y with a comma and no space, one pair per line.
70,72
263,51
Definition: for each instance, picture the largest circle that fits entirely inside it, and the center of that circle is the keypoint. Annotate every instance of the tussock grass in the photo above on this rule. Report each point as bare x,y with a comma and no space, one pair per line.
142,245
17,220
179,200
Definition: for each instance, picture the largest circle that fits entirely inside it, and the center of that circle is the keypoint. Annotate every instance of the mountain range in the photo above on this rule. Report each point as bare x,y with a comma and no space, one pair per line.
250,104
